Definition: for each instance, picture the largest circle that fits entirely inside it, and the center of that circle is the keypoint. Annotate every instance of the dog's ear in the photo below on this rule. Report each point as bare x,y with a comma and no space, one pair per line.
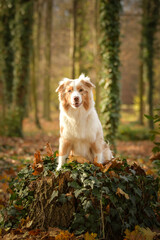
61,84
86,81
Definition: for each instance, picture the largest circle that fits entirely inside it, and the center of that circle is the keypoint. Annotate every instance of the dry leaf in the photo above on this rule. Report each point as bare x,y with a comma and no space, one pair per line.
155,156
65,235
121,192
37,158
18,207
98,164
49,150
38,168
107,166
140,234
91,236
79,159
108,209
37,164
34,232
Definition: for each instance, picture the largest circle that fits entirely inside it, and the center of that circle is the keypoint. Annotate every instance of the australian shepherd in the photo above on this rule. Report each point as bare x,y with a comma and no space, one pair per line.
80,128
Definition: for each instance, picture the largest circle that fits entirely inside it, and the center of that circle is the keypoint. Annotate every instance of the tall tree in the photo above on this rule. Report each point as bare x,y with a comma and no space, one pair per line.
141,94
110,30
48,25
6,51
15,26
21,43
82,36
150,16
35,58
96,53
75,9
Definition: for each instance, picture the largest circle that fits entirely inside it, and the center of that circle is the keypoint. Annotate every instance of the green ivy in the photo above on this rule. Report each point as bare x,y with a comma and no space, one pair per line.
154,136
110,30
99,207
16,18
7,11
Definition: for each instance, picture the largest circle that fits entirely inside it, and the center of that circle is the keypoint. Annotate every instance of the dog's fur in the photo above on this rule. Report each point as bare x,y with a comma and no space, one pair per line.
80,128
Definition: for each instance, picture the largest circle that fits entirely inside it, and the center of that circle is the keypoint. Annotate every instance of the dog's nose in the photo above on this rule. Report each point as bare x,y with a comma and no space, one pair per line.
76,99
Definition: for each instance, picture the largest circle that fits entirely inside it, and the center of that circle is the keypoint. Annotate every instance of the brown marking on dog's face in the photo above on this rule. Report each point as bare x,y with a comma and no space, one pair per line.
88,83
69,89
84,91
63,94
86,101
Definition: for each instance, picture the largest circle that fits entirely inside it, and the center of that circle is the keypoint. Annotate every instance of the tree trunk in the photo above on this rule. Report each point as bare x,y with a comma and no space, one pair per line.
49,13
21,42
75,4
82,39
34,90
141,95
6,51
150,16
110,30
97,55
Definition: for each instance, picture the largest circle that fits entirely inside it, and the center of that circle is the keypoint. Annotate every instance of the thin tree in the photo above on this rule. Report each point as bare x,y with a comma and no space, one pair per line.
48,26
110,30
34,73
21,43
75,8
96,53
6,51
82,36
150,16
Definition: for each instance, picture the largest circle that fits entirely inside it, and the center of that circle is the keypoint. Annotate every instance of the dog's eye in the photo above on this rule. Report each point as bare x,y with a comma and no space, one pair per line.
81,90
69,90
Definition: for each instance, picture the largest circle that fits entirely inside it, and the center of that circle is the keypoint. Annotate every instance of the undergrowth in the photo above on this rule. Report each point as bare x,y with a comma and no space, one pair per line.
108,199
130,132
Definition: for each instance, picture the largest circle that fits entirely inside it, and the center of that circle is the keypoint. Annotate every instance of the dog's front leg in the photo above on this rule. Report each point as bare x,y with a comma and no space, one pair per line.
97,151
64,149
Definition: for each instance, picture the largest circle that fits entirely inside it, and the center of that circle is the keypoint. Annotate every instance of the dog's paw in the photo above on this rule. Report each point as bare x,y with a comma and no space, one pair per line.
58,167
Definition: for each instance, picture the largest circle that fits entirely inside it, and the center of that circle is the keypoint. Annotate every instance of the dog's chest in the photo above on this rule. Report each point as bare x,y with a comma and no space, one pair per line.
79,127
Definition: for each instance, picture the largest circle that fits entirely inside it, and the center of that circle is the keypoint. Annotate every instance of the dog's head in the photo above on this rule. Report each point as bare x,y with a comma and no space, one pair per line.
76,93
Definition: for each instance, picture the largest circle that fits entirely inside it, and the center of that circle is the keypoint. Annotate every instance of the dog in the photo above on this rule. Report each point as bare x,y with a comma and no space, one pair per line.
80,128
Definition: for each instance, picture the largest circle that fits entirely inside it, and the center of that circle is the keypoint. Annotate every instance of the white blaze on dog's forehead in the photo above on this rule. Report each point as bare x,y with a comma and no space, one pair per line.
74,83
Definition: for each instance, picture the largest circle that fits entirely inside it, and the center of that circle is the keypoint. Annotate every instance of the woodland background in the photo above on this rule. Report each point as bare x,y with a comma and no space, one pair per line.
115,42
44,41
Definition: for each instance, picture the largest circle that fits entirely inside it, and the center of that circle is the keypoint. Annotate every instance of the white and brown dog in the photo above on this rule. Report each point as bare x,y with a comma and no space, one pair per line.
80,128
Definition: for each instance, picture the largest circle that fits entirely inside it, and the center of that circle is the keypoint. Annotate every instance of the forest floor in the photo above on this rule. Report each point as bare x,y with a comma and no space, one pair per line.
16,152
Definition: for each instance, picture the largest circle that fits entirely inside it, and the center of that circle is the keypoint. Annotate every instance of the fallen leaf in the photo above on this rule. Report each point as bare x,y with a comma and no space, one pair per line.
37,158
49,150
98,164
34,232
155,156
65,235
79,159
140,233
18,207
108,209
107,166
38,168
91,236
121,192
